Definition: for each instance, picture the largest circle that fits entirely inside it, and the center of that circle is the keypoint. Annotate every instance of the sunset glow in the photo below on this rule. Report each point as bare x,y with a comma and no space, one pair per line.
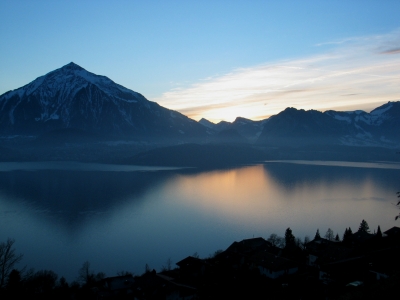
214,59
362,73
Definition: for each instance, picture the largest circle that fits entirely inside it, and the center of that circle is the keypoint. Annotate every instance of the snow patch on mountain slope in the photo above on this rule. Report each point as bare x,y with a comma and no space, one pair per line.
382,110
342,118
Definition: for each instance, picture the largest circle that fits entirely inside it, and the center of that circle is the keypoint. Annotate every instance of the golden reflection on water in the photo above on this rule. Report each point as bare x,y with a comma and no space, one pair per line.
233,192
253,195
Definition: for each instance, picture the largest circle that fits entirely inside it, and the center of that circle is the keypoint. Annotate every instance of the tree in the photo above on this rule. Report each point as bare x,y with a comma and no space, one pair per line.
168,265
289,239
317,236
363,226
398,203
147,268
299,243
124,273
337,238
8,258
329,235
14,280
379,232
63,282
273,239
347,235
276,240
86,276
44,280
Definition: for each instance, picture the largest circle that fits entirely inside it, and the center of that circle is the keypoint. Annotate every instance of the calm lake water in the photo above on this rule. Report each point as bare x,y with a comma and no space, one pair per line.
119,218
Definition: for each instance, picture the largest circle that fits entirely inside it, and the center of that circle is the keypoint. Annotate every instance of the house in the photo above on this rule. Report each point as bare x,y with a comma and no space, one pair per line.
322,251
248,246
393,232
152,285
361,237
230,259
192,266
116,286
273,266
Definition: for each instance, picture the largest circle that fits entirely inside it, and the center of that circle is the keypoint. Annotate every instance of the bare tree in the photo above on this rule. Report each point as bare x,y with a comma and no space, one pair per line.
273,239
8,259
168,266
276,240
329,235
86,276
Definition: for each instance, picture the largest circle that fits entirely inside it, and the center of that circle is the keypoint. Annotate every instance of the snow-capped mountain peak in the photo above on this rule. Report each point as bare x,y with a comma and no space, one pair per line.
72,97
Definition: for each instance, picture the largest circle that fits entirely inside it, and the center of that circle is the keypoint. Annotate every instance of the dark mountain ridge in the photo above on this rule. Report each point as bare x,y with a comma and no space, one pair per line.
71,97
298,127
379,128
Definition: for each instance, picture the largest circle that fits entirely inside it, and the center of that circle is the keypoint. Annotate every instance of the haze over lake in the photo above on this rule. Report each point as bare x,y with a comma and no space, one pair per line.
121,217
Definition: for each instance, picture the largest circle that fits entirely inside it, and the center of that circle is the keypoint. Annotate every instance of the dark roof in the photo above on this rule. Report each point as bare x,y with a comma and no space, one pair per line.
361,236
273,262
249,245
392,231
319,245
328,251
119,282
189,261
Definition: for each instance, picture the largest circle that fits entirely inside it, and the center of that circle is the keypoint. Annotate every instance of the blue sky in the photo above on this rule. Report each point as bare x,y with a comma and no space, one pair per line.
214,59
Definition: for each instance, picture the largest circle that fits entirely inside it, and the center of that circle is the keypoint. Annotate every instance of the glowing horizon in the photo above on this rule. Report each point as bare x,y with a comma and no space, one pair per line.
360,74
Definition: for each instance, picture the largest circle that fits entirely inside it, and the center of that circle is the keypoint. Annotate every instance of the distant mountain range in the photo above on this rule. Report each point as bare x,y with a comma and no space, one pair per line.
380,127
72,105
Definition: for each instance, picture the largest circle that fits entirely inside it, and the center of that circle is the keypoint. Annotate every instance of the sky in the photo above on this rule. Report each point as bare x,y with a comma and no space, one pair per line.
214,59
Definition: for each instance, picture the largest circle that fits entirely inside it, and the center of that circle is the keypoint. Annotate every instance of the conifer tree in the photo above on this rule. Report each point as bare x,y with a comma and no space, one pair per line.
337,238
347,235
364,226
289,238
379,232
317,236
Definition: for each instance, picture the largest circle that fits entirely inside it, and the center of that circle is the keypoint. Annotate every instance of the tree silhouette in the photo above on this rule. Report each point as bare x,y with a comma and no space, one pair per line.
8,258
317,236
398,204
276,240
347,235
379,232
329,235
86,275
364,226
289,239
337,238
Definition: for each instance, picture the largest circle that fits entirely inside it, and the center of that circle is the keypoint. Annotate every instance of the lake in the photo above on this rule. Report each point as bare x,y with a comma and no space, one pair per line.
120,218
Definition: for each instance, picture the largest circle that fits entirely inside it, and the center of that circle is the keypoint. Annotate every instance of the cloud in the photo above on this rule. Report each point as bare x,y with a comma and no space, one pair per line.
354,74
392,51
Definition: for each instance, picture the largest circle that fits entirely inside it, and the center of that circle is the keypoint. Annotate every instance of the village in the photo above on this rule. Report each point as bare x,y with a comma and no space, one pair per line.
363,265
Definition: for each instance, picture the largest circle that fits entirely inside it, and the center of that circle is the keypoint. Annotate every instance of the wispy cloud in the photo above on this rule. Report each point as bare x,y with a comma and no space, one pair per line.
392,51
353,75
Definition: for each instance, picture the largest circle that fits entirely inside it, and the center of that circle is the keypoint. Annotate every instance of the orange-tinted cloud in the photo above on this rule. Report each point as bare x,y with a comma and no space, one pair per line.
353,76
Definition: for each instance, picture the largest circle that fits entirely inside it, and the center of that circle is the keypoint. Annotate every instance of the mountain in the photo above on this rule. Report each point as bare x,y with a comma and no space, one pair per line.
381,125
247,129
73,98
293,127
